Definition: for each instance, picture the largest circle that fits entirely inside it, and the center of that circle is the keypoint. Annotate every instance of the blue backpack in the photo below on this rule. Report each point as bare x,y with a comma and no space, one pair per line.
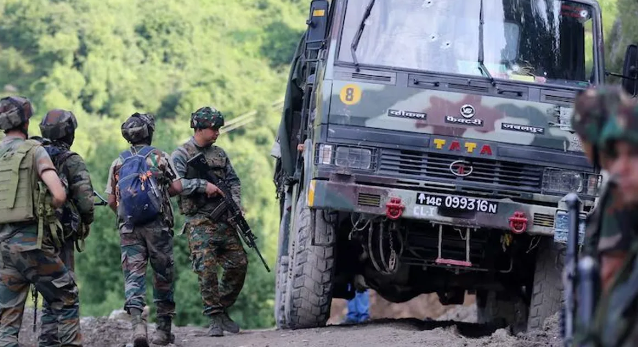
139,200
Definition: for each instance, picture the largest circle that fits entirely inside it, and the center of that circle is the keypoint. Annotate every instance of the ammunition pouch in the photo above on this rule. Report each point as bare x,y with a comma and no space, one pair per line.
47,217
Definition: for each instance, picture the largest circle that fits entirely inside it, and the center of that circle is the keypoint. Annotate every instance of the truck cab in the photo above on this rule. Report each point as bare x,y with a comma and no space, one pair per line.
426,147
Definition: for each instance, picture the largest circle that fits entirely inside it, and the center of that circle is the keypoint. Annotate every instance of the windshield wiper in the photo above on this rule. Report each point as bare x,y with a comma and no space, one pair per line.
481,54
357,36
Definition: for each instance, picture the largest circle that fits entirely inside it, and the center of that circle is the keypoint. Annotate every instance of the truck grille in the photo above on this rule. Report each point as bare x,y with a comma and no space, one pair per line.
493,173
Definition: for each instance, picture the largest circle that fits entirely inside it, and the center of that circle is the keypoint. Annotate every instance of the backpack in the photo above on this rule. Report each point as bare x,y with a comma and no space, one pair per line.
18,184
23,196
138,195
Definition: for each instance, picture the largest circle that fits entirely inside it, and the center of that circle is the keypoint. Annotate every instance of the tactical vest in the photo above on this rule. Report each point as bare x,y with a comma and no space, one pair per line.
199,202
18,184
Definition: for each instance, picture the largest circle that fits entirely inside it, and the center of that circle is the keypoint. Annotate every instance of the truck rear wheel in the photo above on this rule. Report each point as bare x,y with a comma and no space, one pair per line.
547,294
309,282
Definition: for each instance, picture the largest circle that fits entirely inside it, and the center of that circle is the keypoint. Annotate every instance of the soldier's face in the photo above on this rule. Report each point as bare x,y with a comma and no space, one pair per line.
625,166
210,134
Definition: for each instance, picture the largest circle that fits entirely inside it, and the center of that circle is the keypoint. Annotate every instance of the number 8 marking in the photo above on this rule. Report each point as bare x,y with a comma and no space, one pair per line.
350,94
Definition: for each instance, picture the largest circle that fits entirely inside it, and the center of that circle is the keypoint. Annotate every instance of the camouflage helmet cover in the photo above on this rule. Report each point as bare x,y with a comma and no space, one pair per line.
207,117
622,126
593,107
57,124
14,111
138,127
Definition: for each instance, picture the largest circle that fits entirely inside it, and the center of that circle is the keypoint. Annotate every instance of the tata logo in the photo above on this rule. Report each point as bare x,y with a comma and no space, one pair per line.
461,168
458,146
467,111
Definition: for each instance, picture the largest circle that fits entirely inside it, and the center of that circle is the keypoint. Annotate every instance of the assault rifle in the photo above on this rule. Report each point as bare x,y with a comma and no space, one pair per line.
569,272
581,281
236,219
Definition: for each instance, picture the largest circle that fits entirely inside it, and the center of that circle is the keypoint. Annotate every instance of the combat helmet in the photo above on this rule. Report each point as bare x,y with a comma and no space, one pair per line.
592,108
58,124
621,126
138,127
14,111
207,117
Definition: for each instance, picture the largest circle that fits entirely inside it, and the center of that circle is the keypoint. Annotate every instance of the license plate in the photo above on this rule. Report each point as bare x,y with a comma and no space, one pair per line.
561,228
460,203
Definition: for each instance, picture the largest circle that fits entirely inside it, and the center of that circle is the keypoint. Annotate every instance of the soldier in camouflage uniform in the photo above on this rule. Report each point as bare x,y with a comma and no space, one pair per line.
28,253
153,241
607,234
212,241
615,322
76,215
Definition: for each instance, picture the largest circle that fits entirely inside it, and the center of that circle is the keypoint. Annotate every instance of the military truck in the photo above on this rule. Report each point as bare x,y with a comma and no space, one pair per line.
426,147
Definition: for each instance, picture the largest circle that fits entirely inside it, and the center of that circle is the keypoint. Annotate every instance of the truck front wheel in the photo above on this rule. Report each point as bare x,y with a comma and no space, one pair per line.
547,294
309,281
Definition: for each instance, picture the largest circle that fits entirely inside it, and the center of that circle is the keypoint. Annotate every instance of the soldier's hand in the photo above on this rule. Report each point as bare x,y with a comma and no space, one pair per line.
213,190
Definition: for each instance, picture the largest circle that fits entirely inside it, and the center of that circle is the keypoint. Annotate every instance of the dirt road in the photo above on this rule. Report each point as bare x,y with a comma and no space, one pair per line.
115,332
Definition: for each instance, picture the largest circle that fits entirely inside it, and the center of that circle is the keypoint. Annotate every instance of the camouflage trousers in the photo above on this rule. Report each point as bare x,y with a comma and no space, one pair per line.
154,243
52,279
48,322
212,245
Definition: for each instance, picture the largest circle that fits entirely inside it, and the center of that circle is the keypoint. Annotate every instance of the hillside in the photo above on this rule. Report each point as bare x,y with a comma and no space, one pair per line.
107,59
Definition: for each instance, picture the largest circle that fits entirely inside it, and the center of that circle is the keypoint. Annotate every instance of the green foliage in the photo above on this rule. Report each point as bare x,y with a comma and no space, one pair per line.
105,60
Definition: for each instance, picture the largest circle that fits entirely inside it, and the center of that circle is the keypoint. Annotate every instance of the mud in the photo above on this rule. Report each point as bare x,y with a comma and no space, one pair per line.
116,331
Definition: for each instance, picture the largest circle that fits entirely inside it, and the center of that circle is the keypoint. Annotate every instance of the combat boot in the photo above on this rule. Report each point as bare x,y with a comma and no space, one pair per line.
228,324
163,335
139,328
215,325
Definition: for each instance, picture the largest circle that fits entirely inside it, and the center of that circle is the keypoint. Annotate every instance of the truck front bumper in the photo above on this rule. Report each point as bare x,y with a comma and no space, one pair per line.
456,210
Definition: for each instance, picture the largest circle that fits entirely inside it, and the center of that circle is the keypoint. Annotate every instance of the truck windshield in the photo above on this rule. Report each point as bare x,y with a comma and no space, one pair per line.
541,41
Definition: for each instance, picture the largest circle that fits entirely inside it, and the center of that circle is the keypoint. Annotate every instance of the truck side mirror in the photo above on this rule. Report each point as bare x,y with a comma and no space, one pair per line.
317,24
630,70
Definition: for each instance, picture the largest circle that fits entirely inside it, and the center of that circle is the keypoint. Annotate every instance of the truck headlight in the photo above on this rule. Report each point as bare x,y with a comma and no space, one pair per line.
353,157
568,181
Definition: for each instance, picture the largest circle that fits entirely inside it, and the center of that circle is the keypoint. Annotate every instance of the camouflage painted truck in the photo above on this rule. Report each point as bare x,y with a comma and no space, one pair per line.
425,147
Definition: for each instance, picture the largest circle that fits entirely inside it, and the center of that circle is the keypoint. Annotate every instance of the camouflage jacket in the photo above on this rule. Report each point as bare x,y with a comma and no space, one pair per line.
610,226
161,166
24,236
73,171
193,200
615,321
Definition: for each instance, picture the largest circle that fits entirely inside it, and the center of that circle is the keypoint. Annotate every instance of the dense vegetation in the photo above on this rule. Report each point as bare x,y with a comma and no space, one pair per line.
107,59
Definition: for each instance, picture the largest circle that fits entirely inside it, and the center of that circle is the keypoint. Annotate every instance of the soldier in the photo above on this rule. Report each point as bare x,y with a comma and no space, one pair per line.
26,214
151,239
615,323
606,237
212,241
76,216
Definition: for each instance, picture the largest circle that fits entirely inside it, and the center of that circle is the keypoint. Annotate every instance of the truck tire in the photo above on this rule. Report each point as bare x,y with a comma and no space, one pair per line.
547,294
490,309
280,292
309,285
282,262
